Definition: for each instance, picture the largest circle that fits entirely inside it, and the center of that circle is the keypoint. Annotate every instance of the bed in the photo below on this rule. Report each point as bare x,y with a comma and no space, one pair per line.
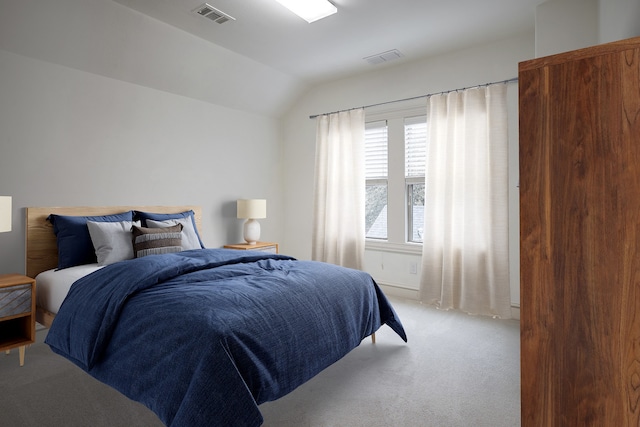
200,336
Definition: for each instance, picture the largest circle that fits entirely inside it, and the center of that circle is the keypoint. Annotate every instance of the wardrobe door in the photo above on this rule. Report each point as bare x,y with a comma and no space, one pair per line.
580,239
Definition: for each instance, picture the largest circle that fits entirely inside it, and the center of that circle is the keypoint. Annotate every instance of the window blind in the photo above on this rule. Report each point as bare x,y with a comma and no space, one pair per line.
376,150
415,144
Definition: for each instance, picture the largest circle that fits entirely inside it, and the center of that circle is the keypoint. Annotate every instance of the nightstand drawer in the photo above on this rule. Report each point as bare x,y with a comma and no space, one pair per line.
15,300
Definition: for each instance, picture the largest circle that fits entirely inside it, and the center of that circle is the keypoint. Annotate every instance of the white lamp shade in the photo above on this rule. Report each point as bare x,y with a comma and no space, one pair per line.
5,213
252,208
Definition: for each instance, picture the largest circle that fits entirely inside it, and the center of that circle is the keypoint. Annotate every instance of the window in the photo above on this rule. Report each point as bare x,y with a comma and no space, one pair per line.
395,157
376,171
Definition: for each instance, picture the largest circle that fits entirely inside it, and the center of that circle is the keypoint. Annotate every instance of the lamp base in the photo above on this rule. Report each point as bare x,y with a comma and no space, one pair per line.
251,231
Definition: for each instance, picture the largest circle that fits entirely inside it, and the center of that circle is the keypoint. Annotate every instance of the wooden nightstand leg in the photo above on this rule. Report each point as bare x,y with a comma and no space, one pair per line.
373,338
21,352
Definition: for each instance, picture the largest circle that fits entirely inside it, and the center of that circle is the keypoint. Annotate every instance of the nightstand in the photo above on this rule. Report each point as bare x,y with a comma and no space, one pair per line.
259,246
17,312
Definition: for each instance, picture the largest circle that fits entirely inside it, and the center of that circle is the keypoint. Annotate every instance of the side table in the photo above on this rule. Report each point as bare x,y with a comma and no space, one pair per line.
17,312
259,246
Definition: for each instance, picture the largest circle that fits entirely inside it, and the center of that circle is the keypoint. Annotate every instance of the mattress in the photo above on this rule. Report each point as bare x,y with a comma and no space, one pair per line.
53,285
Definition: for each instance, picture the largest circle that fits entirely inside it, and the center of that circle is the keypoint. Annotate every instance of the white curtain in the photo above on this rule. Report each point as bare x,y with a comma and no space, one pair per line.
339,199
465,254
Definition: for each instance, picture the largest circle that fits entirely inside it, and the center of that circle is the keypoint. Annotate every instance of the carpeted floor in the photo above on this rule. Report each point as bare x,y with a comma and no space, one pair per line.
456,370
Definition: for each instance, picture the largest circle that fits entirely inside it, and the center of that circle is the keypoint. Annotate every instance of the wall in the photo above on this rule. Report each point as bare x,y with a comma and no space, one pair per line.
618,19
100,105
482,64
564,25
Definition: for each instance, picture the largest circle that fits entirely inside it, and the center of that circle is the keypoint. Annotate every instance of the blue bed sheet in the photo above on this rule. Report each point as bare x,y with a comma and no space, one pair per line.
203,337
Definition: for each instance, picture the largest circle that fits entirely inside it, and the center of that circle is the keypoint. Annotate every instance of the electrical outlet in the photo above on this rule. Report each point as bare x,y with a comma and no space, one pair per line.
413,268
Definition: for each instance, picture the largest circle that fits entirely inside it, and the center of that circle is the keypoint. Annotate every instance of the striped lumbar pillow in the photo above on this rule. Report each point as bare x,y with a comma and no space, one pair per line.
153,241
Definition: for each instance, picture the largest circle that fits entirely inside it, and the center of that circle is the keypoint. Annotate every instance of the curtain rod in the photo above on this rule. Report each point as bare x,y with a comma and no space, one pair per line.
514,79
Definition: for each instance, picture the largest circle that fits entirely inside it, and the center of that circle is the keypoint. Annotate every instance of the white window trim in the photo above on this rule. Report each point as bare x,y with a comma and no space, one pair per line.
386,246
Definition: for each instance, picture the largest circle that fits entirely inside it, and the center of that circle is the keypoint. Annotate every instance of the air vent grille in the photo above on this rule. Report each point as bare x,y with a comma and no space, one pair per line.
387,56
213,14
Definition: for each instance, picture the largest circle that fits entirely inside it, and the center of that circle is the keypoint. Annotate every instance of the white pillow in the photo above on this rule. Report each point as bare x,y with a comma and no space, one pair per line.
189,237
112,240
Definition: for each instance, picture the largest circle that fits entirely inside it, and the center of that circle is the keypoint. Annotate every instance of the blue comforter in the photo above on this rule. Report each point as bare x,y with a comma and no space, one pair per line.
203,337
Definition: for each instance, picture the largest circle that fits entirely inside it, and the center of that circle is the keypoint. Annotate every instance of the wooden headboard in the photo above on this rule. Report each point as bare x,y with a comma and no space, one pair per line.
41,247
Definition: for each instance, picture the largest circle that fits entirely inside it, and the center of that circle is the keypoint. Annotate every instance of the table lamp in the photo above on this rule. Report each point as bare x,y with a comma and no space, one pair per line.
251,209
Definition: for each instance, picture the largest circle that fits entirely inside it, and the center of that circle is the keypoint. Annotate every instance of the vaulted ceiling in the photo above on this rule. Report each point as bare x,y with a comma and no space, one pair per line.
337,46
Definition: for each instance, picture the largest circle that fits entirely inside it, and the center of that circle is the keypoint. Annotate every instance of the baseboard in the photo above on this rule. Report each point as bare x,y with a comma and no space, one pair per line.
515,312
412,294
398,291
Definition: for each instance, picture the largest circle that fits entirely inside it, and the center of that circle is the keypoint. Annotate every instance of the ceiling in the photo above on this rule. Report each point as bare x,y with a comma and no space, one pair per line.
336,46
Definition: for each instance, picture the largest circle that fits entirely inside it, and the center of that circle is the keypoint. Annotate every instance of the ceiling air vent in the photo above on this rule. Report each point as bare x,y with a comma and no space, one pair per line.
387,56
212,13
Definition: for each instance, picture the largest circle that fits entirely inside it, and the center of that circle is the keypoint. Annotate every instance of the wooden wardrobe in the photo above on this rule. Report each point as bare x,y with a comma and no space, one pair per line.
580,237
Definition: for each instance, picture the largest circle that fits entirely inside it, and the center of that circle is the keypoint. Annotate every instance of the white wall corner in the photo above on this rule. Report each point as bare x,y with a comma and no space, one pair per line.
618,20
565,25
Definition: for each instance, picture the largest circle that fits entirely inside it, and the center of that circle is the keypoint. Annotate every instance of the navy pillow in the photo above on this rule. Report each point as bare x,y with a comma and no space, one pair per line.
144,216
73,238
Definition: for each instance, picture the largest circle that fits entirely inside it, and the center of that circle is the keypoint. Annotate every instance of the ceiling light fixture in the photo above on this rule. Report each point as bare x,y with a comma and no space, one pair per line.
310,10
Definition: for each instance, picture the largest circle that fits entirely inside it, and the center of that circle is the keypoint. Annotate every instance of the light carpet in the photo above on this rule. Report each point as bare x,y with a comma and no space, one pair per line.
456,370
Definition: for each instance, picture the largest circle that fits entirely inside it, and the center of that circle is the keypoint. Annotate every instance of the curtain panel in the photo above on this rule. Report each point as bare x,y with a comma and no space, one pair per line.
465,255
339,197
